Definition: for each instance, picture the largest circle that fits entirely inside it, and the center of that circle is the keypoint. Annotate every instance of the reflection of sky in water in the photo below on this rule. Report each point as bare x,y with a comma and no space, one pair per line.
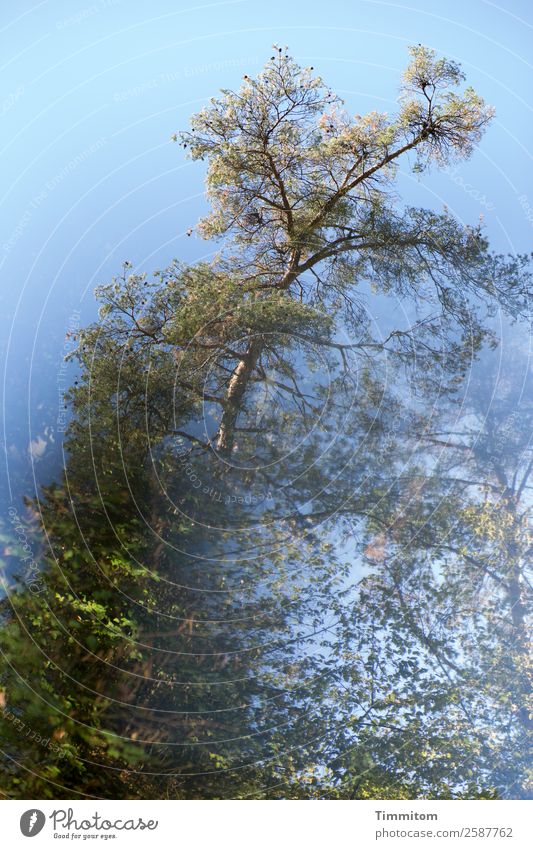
91,178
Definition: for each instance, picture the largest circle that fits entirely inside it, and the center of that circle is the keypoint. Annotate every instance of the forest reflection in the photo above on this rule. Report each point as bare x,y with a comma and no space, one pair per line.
288,554
336,608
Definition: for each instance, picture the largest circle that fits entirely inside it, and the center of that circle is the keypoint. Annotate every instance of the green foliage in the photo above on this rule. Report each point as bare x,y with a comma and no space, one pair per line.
199,630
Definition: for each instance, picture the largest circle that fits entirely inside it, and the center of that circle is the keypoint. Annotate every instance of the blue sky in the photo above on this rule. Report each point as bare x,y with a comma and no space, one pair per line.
92,90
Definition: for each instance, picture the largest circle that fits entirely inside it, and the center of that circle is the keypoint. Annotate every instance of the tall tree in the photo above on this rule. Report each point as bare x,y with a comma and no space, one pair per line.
234,423
447,604
303,195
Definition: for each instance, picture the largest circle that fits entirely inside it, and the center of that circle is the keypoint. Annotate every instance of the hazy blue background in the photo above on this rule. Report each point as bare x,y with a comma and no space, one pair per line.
91,93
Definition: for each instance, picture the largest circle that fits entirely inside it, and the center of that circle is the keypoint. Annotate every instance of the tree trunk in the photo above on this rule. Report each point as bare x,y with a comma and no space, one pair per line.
521,645
236,389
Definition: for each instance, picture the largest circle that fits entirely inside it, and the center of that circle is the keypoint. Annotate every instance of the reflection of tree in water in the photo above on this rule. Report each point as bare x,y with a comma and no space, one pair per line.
445,604
280,564
232,628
